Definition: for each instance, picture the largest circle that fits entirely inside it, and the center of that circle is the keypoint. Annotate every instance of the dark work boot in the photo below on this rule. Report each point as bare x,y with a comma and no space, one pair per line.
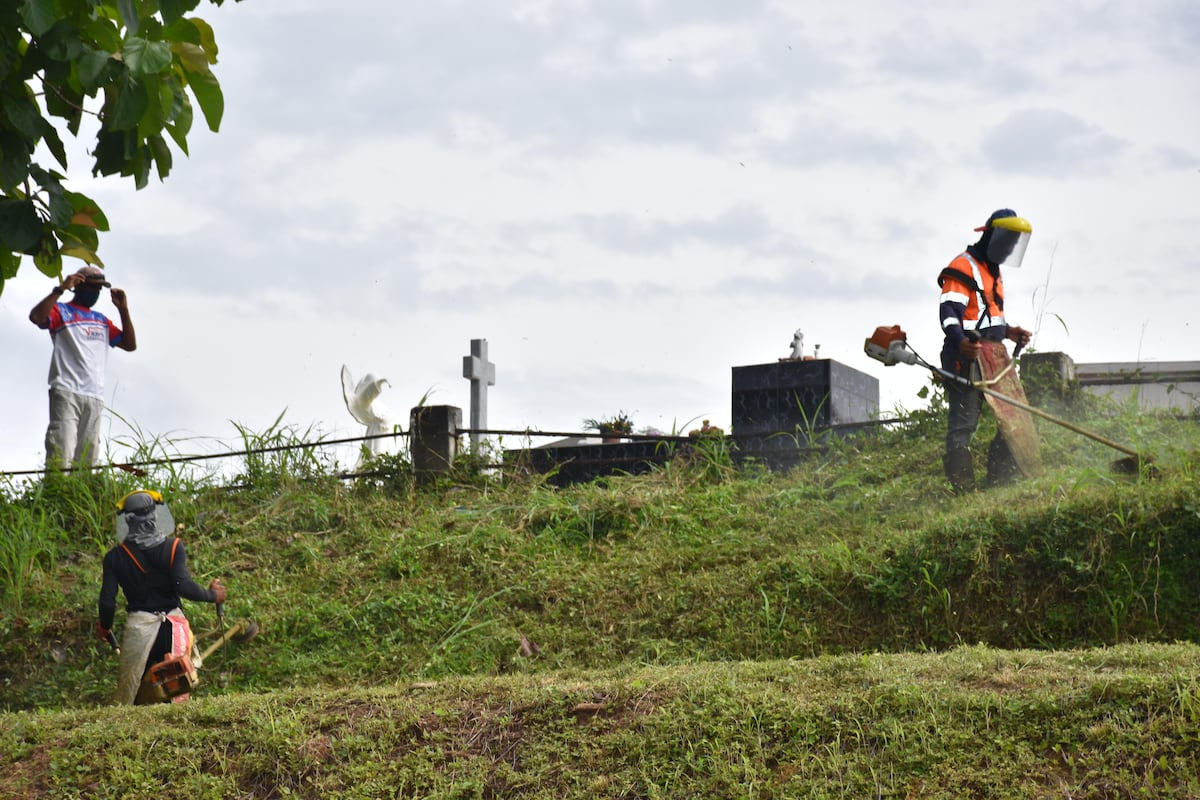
1001,466
960,469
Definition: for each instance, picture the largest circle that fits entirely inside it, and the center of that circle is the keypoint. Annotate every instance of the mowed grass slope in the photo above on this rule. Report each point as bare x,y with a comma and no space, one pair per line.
972,722
847,629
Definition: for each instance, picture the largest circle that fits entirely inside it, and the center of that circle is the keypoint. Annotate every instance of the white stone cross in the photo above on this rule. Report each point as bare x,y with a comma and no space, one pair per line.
482,374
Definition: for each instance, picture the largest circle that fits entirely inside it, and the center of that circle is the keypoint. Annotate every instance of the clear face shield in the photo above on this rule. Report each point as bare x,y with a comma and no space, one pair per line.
143,511
1009,239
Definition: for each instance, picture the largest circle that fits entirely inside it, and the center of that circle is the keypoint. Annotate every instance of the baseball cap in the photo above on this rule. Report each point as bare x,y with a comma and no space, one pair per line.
94,276
999,213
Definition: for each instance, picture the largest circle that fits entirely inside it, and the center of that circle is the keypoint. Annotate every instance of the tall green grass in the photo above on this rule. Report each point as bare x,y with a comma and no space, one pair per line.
28,550
860,548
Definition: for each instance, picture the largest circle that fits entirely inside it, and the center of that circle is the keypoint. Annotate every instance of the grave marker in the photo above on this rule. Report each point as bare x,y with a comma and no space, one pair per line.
482,374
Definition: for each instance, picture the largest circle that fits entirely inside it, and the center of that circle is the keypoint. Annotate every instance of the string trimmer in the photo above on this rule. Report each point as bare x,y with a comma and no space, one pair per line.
179,675
889,345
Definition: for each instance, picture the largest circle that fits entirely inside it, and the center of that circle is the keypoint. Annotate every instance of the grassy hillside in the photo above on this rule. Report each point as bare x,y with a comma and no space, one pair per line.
678,634
973,722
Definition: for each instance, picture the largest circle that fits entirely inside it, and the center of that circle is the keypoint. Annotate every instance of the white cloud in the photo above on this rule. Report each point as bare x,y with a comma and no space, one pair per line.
1049,143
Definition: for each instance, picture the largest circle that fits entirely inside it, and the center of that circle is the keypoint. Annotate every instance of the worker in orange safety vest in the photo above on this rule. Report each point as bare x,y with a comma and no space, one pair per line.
971,308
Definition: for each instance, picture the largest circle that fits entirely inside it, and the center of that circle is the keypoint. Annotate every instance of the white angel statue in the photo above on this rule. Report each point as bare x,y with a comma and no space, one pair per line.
362,401
797,345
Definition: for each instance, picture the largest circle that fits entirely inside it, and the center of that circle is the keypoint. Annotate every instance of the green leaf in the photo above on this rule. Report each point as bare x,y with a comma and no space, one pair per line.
82,253
208,94
172,10
10,56
66,102
191,56
48,259
162,155
103,34
208,41
171,97
20,225
145,57
139,168
81,244
46,179
182,126
80,235
14,159
54,144
61,209
128,10
182,31
9,263
113,150
23,114
62,42
132,102
92,68
40,15
87,212
154,118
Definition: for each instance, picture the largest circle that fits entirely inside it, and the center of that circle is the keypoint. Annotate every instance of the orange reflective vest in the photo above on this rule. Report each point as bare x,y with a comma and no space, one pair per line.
967,283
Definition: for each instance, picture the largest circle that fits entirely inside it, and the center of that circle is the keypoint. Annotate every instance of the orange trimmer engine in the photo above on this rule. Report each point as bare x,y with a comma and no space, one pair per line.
178,675
889,344
172,677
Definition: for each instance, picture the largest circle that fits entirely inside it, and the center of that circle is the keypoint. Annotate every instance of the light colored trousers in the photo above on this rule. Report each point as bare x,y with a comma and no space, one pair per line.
73,435
141,629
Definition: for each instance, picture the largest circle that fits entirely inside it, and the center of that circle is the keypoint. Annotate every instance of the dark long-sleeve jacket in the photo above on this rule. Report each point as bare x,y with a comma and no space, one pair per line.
152,580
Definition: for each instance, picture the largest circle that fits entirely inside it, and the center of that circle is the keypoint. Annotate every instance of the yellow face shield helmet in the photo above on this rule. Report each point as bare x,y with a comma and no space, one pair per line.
143,504
1009,239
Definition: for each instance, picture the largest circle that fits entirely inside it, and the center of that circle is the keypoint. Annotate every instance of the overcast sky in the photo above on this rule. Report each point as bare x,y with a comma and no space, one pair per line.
627,198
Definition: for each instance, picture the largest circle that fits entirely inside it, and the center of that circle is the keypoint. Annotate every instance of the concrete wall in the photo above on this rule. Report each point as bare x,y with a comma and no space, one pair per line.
1157,384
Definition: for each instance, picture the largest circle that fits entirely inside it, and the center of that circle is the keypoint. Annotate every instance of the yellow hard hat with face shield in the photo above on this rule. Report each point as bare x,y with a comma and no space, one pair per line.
1007,238
143,517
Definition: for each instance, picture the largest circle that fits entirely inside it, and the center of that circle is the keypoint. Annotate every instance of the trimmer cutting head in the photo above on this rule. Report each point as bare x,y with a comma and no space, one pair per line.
241,631
1136,465
248,632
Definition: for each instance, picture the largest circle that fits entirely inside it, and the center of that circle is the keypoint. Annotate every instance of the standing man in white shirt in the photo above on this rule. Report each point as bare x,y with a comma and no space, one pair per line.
81,338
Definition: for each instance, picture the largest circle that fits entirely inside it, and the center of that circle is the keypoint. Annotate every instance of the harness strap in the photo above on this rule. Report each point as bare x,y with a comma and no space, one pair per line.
960,276
985,309
133,558
138,564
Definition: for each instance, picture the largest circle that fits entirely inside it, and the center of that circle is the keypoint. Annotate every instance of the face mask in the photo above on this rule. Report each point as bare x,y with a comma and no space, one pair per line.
86,296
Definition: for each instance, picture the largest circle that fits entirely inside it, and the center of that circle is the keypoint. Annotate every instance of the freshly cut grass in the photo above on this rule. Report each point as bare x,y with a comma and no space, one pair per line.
971,722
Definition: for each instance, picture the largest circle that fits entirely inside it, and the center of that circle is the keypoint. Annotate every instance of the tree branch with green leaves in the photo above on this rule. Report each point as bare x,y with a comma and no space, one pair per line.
135,66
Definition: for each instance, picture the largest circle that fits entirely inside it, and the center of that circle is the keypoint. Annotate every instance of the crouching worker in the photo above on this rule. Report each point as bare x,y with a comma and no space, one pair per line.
150,565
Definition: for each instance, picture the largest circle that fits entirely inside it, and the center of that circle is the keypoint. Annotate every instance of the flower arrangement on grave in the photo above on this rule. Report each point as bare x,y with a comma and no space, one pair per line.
707,431
620,425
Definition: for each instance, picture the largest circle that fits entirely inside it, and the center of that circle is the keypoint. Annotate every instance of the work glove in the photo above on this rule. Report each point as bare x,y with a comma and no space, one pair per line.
103,633
218,589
